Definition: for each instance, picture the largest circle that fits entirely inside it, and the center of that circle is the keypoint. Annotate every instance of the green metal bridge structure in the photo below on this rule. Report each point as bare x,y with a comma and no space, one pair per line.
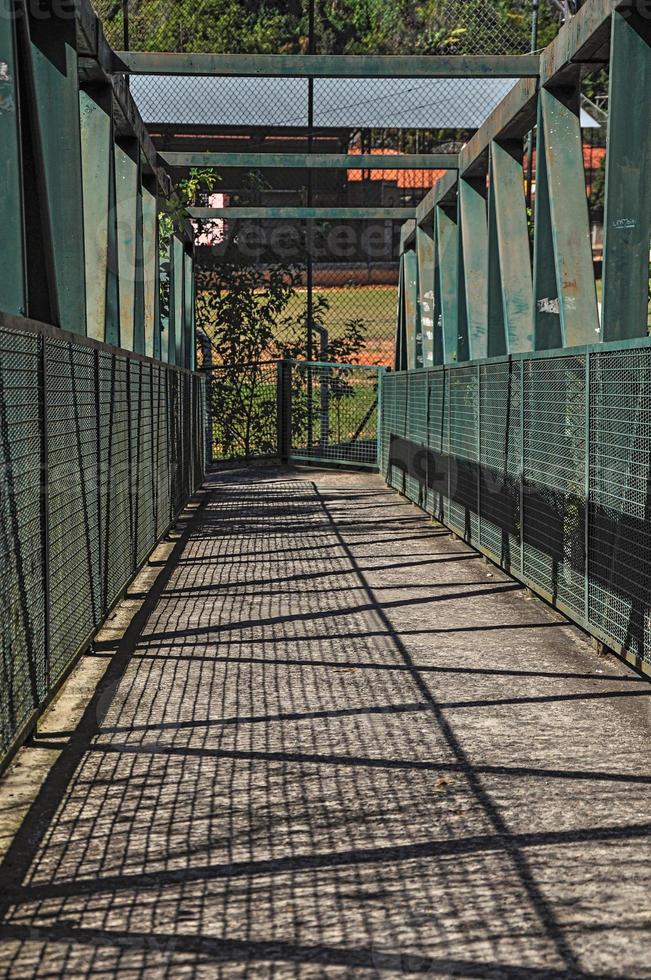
324,658
517,411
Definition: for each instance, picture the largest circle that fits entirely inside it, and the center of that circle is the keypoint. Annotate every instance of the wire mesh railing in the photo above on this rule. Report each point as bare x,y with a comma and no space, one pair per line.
543,463
99,451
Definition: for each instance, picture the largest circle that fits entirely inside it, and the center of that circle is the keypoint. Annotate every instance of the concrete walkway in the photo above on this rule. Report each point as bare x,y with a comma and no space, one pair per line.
335,742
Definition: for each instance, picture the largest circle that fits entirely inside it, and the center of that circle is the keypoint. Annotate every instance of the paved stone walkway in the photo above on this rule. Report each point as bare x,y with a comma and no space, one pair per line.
336,743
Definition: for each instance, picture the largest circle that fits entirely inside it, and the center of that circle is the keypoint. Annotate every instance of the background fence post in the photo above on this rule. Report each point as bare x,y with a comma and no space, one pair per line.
284,410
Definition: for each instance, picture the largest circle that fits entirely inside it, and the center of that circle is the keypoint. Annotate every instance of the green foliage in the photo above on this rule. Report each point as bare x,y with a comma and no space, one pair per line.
342,26
250,319
183,196
598,190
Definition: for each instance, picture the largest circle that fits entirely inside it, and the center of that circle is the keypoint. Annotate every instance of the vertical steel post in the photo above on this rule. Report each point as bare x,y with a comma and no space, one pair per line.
511,240
150,263
99,476
284,410
479,520
425,255
412,324
586,492
378,427
50,69
127,178
400,362
178,277
522,462
562,217
627,219
165,327
473,266
447,266
12,264
96,150
45,504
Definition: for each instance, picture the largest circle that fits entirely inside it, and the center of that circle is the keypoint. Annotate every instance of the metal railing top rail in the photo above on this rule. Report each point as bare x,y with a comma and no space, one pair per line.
632,343
10,321
334,364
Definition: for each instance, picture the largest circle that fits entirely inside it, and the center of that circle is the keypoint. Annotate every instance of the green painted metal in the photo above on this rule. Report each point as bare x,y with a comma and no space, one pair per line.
412,320
547,320
180,326
139,290
512,235
96,149
438,346
52,66
513,117
447,263
127,182
443,190
150,262
164,336
425,256
557,444
85,460
581,38
304,214
112,331
496,341
315,161
473,257
400,347
328,66
463,341
188,312
12,257
407,235
561,150
627,219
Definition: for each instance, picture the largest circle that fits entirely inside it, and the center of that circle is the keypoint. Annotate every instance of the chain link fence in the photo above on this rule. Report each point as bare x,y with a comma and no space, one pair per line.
294,410
448,26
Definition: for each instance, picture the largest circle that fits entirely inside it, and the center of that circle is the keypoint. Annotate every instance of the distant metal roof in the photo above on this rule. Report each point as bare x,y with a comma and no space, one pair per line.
339,103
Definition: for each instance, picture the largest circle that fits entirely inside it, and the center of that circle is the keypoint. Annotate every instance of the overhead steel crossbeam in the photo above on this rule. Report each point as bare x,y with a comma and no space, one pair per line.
315,161
303,214
328,66
470,241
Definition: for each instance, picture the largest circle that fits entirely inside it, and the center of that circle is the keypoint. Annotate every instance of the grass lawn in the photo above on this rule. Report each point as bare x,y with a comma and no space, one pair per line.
375,306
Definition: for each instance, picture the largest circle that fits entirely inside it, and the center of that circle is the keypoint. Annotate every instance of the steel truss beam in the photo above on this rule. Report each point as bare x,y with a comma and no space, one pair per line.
303,214
489,297
327,66
315,161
